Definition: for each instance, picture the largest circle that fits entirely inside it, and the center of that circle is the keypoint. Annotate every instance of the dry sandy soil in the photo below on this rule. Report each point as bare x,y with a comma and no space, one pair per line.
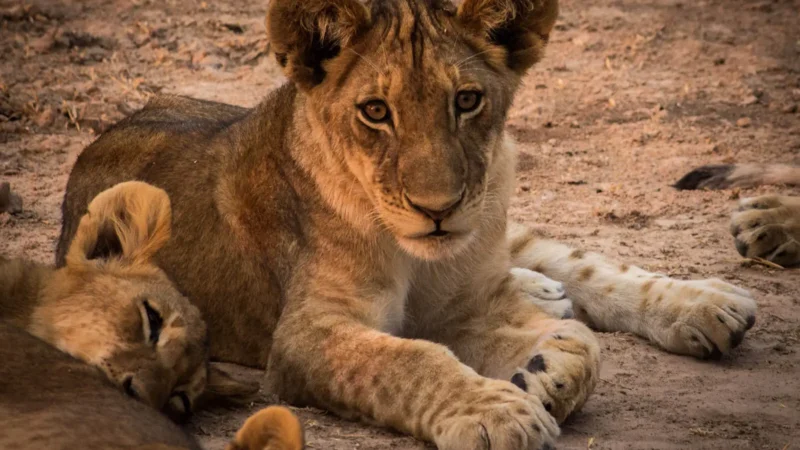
631,95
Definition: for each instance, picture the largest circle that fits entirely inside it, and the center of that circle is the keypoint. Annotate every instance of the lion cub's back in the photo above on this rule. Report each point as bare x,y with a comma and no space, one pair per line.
168,134
51,400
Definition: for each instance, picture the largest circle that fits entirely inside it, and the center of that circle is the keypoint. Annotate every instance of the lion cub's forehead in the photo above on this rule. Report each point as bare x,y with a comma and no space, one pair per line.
418,35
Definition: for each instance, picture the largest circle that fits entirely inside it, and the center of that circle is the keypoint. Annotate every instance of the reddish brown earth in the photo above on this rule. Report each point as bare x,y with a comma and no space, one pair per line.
631,95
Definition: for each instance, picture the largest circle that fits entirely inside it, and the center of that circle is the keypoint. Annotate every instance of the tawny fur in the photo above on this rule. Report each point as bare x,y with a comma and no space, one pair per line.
368,264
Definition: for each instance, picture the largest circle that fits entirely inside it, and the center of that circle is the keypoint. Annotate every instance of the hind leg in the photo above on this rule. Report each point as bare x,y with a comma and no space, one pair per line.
702,318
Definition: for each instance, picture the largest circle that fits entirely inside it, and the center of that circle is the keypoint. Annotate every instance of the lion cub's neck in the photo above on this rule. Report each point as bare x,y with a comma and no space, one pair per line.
21,286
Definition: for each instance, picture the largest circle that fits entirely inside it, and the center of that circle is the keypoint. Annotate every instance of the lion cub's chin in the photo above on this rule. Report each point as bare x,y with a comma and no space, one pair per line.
436,247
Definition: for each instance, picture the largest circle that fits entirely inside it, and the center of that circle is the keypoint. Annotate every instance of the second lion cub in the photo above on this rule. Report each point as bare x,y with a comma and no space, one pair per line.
113,308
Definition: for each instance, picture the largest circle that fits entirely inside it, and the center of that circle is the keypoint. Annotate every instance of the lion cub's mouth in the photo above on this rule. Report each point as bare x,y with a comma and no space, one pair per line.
438,233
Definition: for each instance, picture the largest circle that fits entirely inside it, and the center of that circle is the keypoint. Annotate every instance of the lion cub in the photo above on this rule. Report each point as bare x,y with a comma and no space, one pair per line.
111,307
51,400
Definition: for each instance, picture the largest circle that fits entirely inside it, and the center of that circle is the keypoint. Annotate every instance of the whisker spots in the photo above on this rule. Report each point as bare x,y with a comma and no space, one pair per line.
586,273
577,254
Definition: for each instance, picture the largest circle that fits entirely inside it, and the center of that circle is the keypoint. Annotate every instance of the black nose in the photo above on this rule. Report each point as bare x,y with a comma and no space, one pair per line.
437,212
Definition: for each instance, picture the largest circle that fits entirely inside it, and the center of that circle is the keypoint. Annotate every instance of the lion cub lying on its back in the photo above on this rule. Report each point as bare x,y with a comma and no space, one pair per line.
113,308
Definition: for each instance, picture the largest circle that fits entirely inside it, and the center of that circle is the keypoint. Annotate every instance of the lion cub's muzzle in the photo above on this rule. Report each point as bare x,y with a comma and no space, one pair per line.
436,208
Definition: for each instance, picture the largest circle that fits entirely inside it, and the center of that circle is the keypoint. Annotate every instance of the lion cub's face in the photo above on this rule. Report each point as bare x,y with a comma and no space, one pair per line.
112,307
133,324
412,96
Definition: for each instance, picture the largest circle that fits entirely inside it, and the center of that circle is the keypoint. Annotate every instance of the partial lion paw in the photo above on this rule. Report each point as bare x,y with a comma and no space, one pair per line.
768,227
703,318
495,415
544,292
563,369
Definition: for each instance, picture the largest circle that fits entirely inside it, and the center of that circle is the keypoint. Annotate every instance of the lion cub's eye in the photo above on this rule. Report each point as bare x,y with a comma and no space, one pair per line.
468,101
375,111
155,322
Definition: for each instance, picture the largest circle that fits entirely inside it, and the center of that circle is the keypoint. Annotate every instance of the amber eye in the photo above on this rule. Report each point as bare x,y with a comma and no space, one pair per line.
468,101
375,111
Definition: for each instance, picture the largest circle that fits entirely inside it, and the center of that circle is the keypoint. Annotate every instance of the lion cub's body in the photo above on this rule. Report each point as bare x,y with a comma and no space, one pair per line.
51,400
350,232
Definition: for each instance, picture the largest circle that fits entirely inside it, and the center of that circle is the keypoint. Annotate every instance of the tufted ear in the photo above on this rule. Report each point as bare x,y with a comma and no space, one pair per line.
128,222
304,34
521,27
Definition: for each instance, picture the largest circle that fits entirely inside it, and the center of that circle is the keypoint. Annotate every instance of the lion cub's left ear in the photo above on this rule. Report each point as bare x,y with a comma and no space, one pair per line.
129,222
305,34
521,27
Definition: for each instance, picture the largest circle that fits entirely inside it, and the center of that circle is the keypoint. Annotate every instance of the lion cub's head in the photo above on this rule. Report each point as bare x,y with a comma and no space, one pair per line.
113,308
411,97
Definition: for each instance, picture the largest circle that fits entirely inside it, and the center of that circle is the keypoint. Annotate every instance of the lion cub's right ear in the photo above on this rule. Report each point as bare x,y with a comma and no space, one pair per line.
128,222
304,34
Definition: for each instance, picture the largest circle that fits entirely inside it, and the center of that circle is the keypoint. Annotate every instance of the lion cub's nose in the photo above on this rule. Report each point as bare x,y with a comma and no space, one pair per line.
437,208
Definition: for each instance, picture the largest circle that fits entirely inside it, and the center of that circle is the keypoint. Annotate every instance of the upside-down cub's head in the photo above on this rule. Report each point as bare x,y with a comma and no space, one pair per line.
113,308
411,97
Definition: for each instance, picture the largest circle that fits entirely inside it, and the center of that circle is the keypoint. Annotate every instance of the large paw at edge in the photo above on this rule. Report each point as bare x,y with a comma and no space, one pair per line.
768,227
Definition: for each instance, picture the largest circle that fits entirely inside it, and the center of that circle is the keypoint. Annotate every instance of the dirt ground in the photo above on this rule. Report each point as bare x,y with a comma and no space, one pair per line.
631,95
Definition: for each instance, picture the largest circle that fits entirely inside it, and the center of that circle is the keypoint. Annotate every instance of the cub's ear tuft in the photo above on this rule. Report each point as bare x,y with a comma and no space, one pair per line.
521,27
304,34
129,222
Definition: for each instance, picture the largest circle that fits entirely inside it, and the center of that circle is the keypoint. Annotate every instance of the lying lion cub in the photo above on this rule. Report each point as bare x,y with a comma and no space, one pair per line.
113,308
351,234
49,400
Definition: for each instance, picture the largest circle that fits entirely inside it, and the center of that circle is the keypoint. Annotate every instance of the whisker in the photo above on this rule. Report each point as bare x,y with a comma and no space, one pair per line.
364,58
473,56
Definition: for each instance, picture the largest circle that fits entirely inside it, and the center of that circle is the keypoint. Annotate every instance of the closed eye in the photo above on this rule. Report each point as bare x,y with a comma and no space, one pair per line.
154,321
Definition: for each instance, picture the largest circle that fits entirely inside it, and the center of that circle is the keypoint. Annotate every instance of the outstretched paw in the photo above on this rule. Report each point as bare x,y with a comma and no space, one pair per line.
703,318
768,227
563,369
547,294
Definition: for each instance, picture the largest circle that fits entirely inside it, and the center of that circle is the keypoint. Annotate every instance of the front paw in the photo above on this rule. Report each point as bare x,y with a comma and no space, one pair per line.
546,293
563,369
494,415
768,227
703,318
